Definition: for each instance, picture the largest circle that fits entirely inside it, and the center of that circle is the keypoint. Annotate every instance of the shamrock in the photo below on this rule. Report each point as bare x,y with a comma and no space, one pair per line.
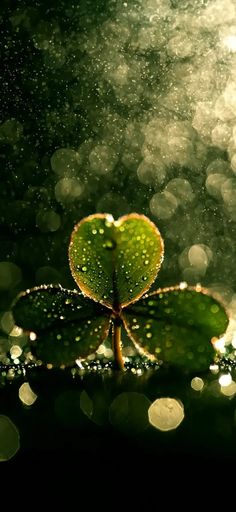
114,263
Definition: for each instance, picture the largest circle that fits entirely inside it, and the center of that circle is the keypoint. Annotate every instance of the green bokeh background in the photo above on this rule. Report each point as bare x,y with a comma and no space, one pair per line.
103,80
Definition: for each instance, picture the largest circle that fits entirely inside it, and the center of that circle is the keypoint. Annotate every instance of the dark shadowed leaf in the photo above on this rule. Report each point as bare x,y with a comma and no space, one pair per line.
67,324
177,325
115,262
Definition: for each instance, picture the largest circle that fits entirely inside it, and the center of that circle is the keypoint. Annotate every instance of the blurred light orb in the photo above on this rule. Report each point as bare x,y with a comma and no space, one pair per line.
230,43
198,258
68,190
180,46
9,439
10,275
214,184
11,131
7,322
16,332
220,135
65,162
229,390
197,384
48,221
181,189
103,159
15,351
228,191
151,171
166,414
225,379
26,394
163,205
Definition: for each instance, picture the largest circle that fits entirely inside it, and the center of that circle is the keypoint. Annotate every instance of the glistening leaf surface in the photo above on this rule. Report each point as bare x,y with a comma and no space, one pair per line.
67,324
115,262
177,325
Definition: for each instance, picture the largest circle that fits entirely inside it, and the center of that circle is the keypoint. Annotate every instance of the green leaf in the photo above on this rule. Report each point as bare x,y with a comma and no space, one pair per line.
177,325
115,262
67,324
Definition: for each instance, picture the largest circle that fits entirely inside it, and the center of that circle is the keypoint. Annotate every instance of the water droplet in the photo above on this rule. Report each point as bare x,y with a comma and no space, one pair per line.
149,335
84,269
77,338
101,231
58,336
144,278
146,262
110,244
94,231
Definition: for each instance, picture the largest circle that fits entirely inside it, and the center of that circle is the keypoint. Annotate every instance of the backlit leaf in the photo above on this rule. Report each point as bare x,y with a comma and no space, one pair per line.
67,324
177,325
115,262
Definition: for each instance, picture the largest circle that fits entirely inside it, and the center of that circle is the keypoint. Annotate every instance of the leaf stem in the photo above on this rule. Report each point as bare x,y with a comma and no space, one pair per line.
116,343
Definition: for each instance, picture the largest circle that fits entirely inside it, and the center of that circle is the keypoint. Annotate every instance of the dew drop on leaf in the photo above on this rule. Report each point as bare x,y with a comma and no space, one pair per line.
110,244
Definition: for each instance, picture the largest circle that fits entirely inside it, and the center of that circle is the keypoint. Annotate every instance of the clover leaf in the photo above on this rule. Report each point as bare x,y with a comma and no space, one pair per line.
114,263
66,324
